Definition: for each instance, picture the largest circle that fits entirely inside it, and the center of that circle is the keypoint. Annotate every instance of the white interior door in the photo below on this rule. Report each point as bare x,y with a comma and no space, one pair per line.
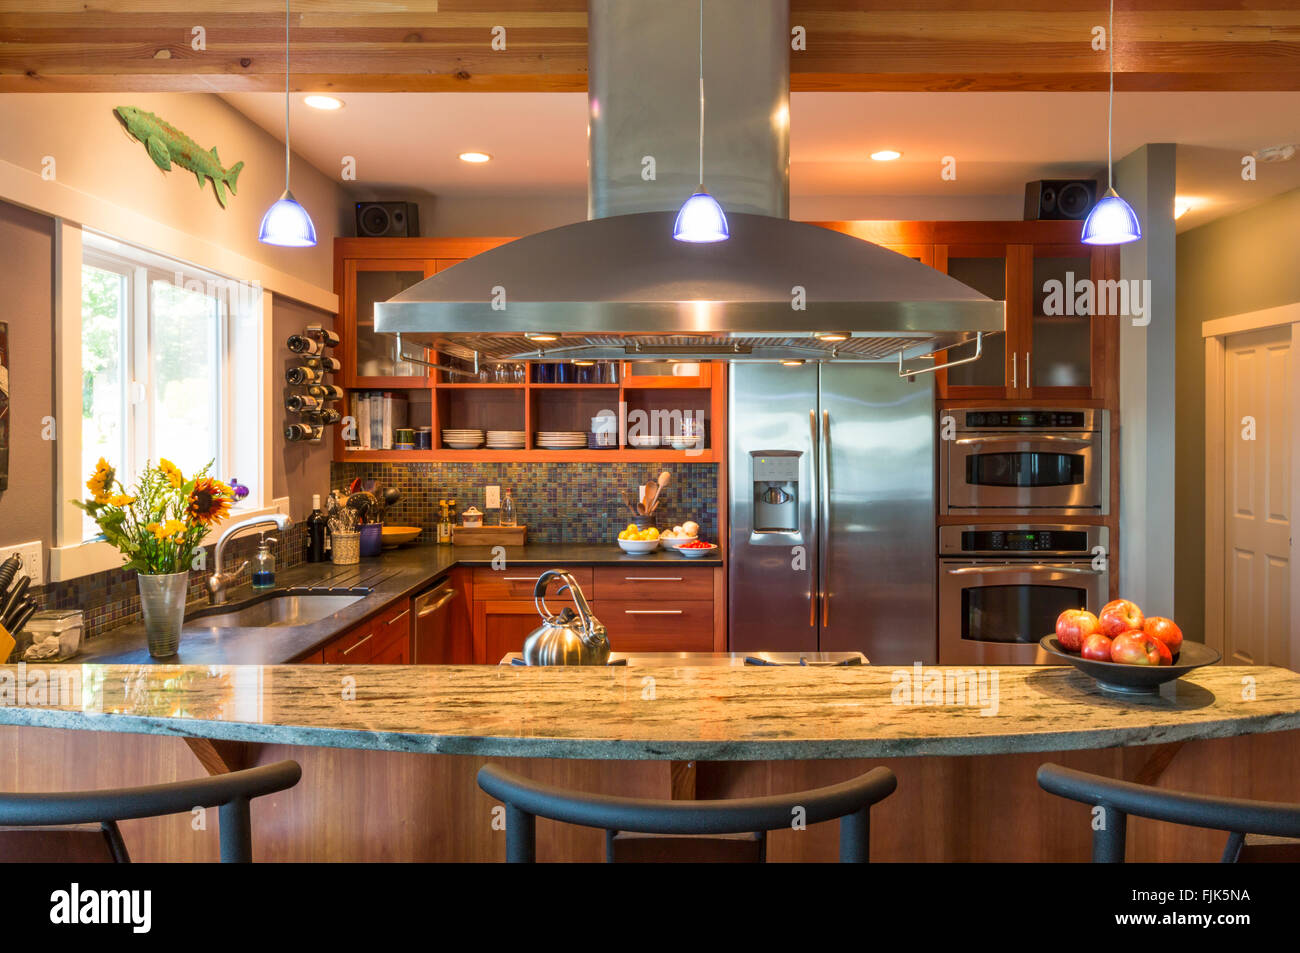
1257,498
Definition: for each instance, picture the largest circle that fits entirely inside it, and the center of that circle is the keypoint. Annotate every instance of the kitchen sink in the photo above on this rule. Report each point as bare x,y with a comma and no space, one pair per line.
277,610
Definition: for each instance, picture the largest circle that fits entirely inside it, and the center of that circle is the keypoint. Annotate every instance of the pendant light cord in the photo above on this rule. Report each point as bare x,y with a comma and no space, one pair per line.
1110,104
286,95
702,94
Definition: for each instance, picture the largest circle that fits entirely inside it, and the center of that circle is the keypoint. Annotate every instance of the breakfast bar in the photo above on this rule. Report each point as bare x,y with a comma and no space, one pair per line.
389,753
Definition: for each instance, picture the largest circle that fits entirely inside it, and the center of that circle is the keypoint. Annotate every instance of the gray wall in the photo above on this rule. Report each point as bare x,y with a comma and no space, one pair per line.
1244,262
26,275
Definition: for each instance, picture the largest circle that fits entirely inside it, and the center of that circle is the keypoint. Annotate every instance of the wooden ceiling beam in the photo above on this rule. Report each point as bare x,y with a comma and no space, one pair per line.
444,45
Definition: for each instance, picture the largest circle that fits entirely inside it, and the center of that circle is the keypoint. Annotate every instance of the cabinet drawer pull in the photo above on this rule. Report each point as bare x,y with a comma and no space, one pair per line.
359,644
652,611
652,579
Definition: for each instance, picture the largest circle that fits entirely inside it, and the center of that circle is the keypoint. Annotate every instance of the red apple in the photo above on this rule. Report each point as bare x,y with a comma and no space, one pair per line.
1096,647
1073,626
1135,647
1166,630
1119,616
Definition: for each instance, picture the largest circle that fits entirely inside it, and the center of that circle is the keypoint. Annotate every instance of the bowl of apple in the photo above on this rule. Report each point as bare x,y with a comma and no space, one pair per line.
1123,650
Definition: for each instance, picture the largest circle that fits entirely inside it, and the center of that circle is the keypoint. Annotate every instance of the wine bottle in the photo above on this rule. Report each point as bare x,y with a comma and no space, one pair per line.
325,391
301,375
324,416
302,344
303,432
315,541
325,337
323,364
301,403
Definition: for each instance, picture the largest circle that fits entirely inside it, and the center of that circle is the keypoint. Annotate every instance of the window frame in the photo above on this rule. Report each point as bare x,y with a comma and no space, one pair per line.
244,330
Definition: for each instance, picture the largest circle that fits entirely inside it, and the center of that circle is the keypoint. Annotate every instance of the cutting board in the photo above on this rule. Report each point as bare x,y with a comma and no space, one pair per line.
489,535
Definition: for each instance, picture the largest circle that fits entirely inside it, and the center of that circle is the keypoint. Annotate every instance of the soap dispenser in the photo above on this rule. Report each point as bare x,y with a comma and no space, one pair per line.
264,564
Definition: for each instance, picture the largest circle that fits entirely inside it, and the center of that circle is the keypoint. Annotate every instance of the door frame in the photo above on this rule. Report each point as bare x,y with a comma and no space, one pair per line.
1215,332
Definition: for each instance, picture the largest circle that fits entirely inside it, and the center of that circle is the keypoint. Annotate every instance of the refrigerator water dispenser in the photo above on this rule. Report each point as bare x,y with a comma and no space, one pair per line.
776,490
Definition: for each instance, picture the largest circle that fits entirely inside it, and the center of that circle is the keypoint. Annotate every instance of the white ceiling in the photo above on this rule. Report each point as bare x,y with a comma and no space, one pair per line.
1000,141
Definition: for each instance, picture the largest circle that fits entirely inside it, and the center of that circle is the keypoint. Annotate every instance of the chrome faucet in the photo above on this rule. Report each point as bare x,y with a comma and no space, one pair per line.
219,580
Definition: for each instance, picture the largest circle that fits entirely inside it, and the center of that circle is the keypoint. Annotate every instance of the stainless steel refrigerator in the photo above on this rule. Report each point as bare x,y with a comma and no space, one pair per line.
832,511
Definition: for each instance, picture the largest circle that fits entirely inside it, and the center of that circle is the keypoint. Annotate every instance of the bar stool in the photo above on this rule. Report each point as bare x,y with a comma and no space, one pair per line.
230,793
526,800
1240,818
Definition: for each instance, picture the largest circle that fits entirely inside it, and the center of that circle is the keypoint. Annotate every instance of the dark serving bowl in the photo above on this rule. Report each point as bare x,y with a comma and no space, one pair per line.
1134,679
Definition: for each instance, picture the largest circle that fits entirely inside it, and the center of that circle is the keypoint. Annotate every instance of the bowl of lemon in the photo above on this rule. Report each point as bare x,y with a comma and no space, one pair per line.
638,541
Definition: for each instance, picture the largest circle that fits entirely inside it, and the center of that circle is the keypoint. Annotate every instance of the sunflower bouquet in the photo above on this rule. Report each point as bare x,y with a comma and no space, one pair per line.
160,524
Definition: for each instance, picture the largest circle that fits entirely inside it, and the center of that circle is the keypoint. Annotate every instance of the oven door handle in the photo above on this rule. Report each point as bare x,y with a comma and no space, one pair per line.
1025,438
1024,567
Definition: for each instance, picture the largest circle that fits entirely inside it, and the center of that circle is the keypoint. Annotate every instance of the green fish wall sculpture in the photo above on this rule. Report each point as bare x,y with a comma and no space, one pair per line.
167,144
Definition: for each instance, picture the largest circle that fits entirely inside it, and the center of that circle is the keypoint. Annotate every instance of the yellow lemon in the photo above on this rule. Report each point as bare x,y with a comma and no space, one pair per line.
652,533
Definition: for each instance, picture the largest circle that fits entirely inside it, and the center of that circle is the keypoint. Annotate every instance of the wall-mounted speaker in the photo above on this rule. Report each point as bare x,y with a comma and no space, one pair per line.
1059,199
388,220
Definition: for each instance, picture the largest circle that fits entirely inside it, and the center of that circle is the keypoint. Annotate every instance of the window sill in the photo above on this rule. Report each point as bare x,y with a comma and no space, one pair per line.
94,556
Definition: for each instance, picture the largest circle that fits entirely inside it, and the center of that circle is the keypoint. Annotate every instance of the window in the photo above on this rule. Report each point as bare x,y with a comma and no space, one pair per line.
155,343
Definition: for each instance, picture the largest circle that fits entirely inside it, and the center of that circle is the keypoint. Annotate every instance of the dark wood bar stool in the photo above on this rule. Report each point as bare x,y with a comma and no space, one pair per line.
1242,820
527,800
230,793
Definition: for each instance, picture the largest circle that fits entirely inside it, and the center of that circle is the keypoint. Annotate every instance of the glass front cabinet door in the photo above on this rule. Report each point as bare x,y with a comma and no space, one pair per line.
370,358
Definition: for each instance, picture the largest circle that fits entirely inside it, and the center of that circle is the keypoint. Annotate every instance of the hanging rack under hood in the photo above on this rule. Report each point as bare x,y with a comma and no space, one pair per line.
619,286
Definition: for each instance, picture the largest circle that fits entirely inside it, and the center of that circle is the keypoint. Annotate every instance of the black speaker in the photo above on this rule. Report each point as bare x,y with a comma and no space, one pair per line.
388,220
1059,199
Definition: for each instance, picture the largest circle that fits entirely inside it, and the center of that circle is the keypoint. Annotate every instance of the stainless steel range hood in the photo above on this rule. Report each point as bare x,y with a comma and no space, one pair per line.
619,285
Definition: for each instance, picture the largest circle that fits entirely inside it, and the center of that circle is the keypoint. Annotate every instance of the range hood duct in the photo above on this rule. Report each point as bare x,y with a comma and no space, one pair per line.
619,286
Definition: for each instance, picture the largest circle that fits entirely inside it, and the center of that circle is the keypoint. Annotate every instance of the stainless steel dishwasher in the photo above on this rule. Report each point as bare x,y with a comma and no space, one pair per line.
432,611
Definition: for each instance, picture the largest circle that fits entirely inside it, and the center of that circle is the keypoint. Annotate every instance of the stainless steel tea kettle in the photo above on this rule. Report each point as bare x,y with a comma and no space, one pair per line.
565,638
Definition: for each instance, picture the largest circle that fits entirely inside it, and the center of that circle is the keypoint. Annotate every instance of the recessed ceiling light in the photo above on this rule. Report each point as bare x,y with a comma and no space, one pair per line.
886,155
474,157
316,101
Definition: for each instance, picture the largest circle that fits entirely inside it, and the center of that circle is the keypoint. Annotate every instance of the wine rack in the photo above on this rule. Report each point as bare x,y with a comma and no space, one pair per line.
313,399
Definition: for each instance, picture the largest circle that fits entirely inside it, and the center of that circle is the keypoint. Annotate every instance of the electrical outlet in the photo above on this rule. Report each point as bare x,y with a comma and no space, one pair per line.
492,497
33,557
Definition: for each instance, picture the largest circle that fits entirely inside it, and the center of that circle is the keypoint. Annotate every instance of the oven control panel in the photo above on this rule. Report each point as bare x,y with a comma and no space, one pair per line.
1023,539
1027,420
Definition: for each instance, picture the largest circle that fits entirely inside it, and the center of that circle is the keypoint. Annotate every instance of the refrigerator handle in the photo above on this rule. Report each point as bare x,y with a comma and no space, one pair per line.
824,537
812,572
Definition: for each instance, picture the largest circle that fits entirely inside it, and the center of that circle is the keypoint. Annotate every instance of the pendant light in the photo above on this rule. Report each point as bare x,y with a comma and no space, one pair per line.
1112,221
701,218
286,222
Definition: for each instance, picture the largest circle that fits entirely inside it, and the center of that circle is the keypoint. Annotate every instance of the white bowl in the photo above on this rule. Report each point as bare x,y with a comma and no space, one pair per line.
672,542
697,553
638,547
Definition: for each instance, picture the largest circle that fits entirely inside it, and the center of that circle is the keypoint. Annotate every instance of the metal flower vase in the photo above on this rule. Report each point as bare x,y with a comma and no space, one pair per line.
162,600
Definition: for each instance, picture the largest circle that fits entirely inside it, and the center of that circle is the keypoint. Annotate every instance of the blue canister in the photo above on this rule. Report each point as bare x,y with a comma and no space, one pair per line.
372,538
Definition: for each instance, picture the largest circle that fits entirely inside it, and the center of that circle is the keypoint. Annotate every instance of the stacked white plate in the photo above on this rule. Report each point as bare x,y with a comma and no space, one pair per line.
462,439
506,439
561,440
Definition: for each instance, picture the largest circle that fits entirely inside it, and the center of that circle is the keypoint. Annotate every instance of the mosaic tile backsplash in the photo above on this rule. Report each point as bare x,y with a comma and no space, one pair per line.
558,502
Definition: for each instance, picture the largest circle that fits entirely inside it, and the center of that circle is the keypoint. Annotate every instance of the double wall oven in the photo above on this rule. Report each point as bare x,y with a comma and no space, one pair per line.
1023,478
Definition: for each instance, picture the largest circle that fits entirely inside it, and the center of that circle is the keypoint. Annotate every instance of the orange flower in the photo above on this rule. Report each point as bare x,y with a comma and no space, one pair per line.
209,501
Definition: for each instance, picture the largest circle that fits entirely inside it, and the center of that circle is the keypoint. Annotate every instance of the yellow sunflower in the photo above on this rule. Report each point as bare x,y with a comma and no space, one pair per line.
171,472
121,499
209,501
100,481
172,529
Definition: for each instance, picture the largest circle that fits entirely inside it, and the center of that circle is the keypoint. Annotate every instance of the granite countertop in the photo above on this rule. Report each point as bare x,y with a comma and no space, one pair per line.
397,574
714,713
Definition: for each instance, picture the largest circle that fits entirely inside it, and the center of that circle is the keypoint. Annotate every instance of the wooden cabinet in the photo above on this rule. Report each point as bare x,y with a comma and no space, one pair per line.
651,608
384,639
1049,352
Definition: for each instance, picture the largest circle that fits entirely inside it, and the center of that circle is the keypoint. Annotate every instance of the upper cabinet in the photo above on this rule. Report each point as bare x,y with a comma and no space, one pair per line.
1052,350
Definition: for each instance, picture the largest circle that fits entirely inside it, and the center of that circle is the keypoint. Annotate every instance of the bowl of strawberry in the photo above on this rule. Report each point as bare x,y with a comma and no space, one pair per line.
1124,650
695,548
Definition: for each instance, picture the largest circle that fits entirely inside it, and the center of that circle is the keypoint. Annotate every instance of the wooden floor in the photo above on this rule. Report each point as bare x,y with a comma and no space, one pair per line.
382,806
